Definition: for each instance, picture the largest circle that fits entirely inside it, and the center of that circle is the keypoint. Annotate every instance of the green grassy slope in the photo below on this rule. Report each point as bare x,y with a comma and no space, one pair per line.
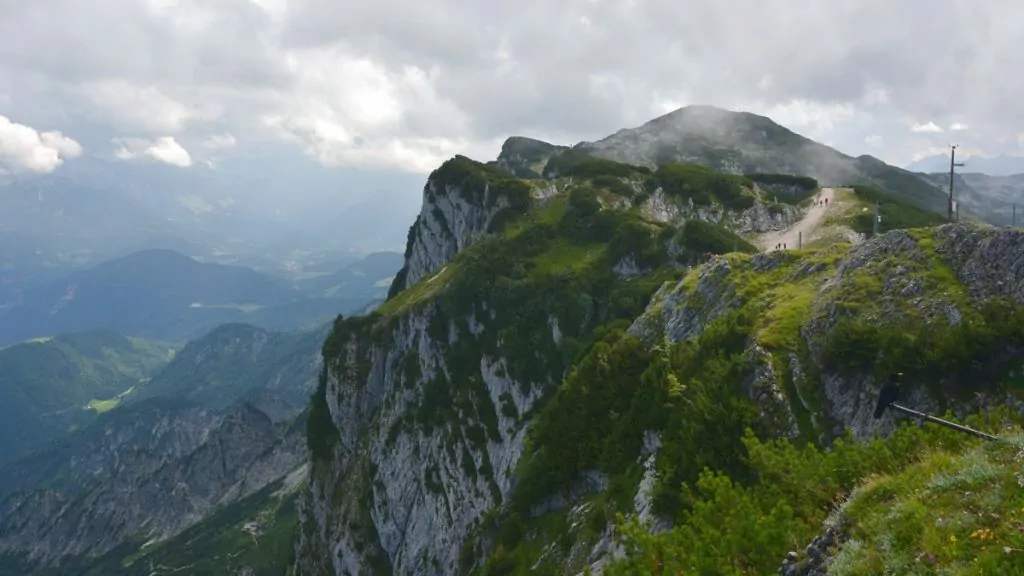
739,500
47,387
233,360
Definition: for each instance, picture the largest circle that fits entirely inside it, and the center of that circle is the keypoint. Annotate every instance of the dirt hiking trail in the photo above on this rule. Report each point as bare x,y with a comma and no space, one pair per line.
790,236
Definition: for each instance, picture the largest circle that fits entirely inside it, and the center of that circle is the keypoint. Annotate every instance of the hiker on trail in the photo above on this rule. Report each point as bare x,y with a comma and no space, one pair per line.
783,245
826,201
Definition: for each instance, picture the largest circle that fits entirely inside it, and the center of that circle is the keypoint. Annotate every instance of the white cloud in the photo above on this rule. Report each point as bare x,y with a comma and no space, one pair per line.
220,141
163,149
927,128
398,83
958,127
348,111
962,152
144,108
873,140
813,119
24,149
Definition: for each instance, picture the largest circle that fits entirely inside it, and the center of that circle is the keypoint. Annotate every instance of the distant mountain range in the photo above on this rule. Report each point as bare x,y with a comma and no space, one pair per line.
1002,165
991,196
164,295
222,422
278,220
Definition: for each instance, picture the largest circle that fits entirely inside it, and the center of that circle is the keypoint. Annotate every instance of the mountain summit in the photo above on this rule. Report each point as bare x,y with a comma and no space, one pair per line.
732,143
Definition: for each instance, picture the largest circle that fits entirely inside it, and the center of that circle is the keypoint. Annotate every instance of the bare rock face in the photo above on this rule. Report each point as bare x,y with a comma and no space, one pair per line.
447,223
415,491
757,219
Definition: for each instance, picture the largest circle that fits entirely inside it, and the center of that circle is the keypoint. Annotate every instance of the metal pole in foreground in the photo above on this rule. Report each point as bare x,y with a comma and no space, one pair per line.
952,164
942,422
887,399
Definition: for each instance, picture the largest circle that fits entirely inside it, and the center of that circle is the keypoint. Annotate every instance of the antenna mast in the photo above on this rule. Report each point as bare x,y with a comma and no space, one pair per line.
952,163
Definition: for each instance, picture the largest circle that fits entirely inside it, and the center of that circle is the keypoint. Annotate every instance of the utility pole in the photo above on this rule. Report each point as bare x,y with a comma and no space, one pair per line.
952,163
878,219
1014,215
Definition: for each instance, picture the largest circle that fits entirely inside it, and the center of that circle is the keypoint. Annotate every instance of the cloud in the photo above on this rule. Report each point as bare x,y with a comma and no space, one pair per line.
402,84
958,127
926,128
24,149
138,107
962,152
220,141
163,149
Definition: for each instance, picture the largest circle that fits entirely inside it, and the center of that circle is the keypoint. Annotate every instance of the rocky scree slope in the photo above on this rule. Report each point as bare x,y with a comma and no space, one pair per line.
419,420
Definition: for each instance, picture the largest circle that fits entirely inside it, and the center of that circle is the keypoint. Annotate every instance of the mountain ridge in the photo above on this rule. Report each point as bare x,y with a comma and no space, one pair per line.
511,397
730,142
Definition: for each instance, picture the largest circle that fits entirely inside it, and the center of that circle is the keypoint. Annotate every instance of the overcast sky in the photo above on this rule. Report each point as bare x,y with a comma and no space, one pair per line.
404,84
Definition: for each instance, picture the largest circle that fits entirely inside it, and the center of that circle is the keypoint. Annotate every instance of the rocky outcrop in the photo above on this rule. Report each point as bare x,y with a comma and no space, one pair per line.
757,219
819,555
461,202
902,273
680,313
447,223
989,264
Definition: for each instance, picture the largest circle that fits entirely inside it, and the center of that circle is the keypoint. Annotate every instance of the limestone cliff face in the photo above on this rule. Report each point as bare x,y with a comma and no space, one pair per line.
457,211
394,492
757,219
446,224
